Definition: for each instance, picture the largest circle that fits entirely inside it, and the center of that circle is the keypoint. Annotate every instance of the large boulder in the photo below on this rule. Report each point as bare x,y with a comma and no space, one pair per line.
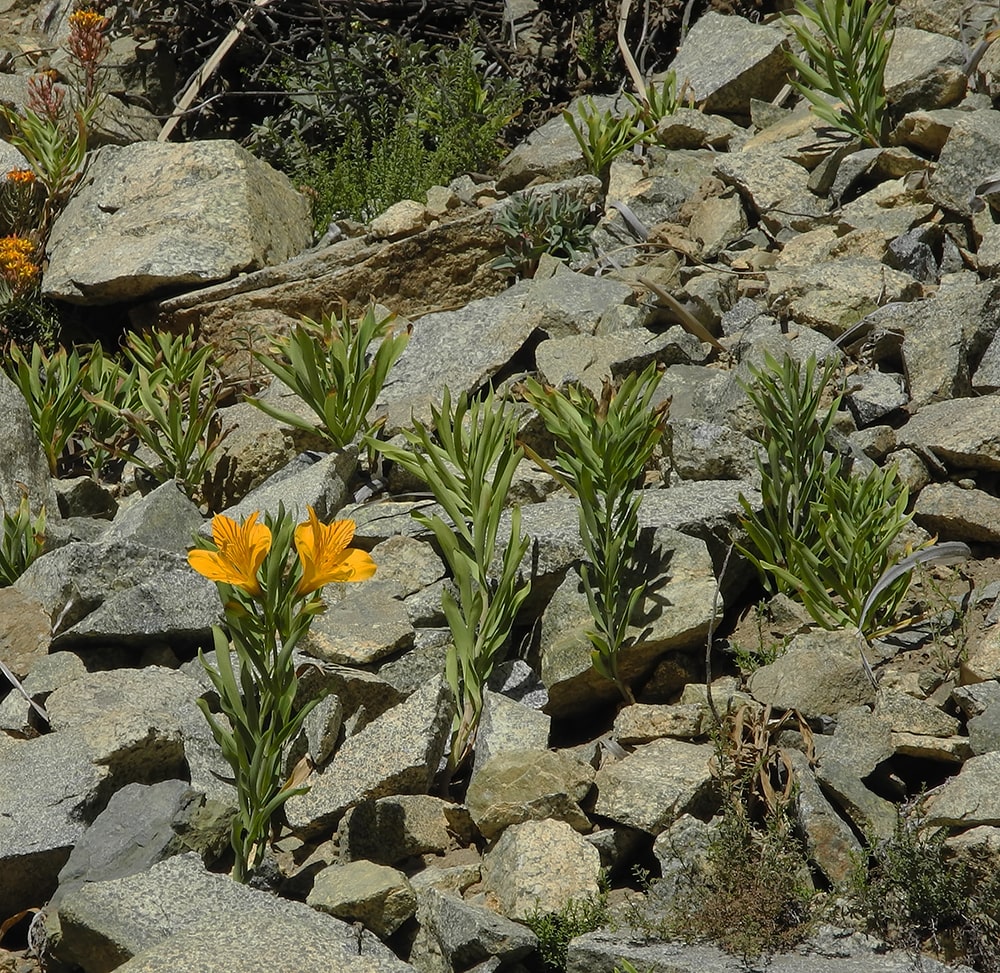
153,216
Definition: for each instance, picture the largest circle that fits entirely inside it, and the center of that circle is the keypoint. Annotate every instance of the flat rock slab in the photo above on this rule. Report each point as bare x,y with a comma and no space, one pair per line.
954,514
103,924
154,215
963,433
754,65
969,156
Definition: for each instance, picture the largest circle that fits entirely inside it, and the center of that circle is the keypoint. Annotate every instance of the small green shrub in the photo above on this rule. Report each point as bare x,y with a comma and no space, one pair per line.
467,456
822,534
912,893
22,541
51,386
603,136
331,366
176,417
379,119
602,449
847,44
555,929
556,225
111,390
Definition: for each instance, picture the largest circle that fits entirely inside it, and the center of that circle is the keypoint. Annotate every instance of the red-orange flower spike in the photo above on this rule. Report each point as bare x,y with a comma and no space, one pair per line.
325,556
241,551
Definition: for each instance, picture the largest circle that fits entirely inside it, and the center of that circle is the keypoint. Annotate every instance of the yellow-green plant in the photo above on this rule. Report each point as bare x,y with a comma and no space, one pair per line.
821,534
846,45
337,367
270,595
110,388
23,539
51,385
467,457
177,390
603,136
602,449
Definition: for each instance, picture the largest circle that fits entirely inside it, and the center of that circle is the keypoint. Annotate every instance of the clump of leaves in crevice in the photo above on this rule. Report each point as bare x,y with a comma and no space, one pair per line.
913,894
555,930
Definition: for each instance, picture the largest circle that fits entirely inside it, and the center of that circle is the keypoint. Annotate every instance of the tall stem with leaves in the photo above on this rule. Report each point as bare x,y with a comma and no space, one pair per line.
337,367
467,457
269,597
846,45
602,449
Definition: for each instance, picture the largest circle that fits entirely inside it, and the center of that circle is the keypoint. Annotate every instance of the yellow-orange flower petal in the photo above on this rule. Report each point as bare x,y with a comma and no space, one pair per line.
241,551
325,556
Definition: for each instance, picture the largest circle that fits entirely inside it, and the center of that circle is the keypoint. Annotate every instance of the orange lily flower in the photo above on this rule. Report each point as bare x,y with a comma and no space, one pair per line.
241,551
325,555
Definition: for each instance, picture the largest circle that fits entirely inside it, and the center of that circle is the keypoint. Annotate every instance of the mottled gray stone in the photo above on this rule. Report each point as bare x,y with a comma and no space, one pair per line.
688,128
539,866
970,798
905,713
83,496
290,943
506,724
550,151
964,433
642,722
827,951
171,215
765,179
527,785
41,677
652,787
968,157
976,697
867,812
874,395
411,564
924,70
674,614
394,828
469,934
361,625
860,743
309,480
52,786
830,842
377,896
954,514
703,450
754,65
912,252
103,924
164,518
984,730
819,674
121,593
397,754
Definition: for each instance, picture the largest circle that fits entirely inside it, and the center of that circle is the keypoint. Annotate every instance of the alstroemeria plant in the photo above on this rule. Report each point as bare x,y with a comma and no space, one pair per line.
270,576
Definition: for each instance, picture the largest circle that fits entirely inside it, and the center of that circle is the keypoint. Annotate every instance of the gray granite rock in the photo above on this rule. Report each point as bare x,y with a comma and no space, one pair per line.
924,70
506,724
468,934
984,730
539,866
866,811
529,785
292,943
168,215
164,518
377,896
754,65
21,457
970,798
962,433
391,829
954,514
101,925
968,157
652,787
874,395
860,742
399,753
819,674
643,722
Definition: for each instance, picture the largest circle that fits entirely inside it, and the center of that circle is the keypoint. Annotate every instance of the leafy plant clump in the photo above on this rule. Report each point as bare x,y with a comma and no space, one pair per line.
376,119
602,449
846,45
22,540
338,368
555,929
557,225
467,456
912,893
822,535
